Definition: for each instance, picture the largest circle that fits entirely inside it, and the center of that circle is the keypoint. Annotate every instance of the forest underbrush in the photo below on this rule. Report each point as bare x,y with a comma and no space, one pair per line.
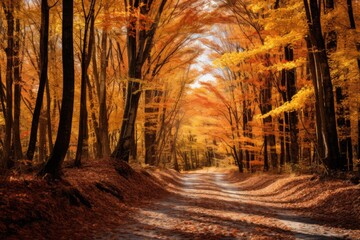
97,196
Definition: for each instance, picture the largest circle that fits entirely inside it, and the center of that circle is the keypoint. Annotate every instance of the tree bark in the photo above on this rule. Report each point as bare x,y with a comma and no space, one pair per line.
42,138
290,79
9,11
53,165
83,136
269,138
48,117
44,39
17,90
139,46
103,117
150,127
322,83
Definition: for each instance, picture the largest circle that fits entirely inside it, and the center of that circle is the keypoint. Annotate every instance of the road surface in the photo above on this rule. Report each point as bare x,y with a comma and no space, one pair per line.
209,207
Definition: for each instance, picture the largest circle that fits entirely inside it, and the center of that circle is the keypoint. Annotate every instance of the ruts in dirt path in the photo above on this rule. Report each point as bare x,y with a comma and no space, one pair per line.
209,207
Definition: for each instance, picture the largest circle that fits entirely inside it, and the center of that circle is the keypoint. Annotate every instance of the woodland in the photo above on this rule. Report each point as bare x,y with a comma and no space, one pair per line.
130,108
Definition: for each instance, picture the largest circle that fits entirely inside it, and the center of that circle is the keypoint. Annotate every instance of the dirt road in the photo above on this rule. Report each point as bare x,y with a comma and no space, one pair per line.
209,207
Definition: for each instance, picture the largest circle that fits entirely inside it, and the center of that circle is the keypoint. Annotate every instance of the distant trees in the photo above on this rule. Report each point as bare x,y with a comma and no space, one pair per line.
309,34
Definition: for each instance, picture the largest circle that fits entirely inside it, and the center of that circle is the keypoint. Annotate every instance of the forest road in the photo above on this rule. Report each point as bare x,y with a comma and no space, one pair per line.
209,207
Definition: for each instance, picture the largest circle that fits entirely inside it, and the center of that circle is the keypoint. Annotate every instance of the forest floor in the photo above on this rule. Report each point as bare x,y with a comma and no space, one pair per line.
99,201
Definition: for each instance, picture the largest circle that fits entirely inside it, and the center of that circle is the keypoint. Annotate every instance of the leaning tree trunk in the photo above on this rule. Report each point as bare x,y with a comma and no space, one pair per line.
53,165
44,38
139,45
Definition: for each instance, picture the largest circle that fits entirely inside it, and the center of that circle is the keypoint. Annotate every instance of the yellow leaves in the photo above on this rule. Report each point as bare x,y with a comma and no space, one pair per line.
232,60
287,65
297,102
285,19
258,7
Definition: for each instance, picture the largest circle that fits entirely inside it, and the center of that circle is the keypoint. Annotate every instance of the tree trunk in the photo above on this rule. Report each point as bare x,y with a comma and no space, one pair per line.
42,138
53,165
139,45
151,113
103,117
322,80
282,143
357,45
92,92
290,79
343,111
17,92
122,149
266,159
269,138
48,117
83,136
173,146
9,11
44,39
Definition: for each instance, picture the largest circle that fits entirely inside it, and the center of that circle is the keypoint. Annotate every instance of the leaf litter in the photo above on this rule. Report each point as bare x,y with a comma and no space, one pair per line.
108,200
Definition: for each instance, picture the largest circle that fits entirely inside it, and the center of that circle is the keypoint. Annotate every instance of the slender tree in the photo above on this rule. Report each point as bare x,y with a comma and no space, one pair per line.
53,165
85,62
8,7
357,45
17,88
139,45
44,39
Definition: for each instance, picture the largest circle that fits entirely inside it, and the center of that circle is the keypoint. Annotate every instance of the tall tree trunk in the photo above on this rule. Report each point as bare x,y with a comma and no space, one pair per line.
83,136
44,39
343,111
9,11
139,45
322,80
150,127
319,147
122,149
92,107
292,116
48,117
17,91
103,117
53,165
97,149
269,138
357,45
